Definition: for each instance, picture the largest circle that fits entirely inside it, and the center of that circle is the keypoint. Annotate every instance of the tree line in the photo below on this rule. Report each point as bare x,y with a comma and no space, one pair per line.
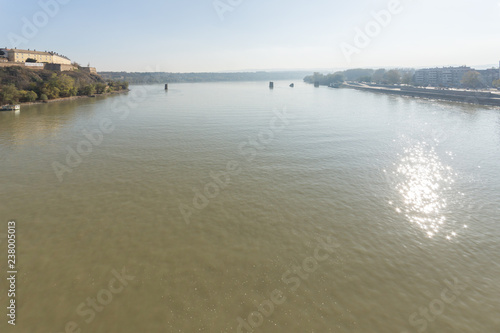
18,84
379,76
164,77
471,79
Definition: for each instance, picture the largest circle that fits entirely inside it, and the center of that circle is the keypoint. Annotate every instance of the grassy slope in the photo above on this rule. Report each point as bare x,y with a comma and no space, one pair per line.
22,77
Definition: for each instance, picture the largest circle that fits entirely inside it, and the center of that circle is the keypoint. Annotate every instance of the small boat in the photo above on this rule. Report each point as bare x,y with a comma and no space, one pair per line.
292,85
9,107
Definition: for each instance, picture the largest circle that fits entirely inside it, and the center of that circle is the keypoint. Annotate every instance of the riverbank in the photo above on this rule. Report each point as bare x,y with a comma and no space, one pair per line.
64,99
453,95
22,85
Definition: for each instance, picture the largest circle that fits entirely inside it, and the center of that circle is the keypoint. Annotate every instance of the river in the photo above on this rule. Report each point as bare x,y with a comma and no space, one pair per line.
232,207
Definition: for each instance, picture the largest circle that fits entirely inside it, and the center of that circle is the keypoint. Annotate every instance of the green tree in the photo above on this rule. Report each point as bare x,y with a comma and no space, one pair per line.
44,97
100,88
60,86
32,86
379,75
31,96
407,78
496,83
393,77
88,90
9,94
472,79
27,96
356,73
316,77
51,91
334,78
324,80
66,85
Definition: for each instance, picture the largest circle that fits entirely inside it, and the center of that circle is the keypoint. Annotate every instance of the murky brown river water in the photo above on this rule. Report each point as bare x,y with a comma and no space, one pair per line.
229,207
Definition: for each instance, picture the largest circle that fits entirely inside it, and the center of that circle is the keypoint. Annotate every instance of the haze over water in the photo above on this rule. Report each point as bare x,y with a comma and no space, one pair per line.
406,190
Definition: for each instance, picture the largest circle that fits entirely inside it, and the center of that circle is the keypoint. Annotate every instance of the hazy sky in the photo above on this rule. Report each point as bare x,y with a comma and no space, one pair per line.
192,35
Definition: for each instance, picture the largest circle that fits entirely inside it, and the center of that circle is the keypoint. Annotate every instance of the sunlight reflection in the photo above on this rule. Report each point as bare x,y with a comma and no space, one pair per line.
422,183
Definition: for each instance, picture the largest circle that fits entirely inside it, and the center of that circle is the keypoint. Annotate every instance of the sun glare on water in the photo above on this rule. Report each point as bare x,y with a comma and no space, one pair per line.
423,182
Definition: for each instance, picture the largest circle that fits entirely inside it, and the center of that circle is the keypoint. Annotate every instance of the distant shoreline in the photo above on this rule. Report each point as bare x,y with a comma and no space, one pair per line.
468,97
63,99
165,77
